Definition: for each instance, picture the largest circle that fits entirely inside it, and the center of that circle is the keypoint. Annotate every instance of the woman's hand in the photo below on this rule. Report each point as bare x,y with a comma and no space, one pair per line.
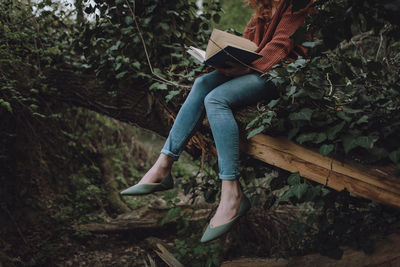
235,70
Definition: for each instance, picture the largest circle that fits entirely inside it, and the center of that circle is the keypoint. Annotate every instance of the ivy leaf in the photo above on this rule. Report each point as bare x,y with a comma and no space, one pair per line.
299,190
158,86
332,131
321,137
118,66
303,114
325,191
351,111
128,20
158,72
311,44
294,179
343,116
171,214
150,9
256,131
121,75
136,65
363,119
115,46
349,142
313,192
164,26
366,141
273,103
6,105
127,30
326,149
171,94
252,123
292,90
305,137
288,194
267,120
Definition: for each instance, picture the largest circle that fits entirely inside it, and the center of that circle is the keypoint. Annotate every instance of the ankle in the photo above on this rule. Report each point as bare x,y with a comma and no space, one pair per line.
231,189
164,162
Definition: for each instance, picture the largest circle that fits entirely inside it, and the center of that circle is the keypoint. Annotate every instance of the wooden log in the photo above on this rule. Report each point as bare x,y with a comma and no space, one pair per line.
287,155
145,218
163,250
167,257
143,108
386,253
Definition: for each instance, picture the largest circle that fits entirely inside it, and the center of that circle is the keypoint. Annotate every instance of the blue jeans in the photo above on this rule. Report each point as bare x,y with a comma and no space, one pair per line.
216,95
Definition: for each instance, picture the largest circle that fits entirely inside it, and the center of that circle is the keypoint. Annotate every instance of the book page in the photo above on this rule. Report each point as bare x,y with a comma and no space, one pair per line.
197,53
220,39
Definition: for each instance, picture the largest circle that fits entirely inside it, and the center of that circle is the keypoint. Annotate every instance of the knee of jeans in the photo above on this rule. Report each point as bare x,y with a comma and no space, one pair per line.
200,85
212,100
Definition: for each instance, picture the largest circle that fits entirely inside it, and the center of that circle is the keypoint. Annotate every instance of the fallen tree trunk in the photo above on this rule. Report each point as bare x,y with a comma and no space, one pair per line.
374,184
146,217
144,108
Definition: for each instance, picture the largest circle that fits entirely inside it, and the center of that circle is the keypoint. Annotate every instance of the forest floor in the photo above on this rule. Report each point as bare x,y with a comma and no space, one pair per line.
119,249
261,234
104,250
132,248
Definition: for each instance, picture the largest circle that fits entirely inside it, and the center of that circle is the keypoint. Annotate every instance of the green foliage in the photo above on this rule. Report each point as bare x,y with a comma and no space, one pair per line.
191,253
331,218
113,44
28,45
343,101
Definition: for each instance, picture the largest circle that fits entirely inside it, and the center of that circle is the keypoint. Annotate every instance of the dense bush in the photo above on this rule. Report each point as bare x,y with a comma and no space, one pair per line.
160,30
345,100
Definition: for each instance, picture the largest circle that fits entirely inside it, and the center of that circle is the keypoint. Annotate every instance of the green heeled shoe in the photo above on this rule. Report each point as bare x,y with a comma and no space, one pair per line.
144,189
215,232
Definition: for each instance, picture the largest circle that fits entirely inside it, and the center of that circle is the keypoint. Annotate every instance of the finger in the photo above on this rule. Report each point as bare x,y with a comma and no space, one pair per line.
232,64
222,71
237,64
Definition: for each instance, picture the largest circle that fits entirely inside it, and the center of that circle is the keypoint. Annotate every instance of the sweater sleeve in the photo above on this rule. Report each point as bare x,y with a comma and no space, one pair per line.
281,44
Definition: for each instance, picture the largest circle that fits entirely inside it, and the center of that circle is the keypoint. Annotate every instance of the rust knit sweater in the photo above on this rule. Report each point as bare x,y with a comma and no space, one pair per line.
273,39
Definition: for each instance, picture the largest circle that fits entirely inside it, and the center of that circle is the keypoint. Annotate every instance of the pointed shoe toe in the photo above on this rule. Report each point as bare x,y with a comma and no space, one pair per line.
215,232
144,189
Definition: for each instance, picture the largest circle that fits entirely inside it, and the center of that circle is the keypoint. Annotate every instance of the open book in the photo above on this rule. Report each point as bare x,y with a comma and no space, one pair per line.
223,47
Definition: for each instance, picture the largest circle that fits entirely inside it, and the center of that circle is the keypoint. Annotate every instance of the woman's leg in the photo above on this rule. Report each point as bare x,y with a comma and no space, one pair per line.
191,113
241,91
186,123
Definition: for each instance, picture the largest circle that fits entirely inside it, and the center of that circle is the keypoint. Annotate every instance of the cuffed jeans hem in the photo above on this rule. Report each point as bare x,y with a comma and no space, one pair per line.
169,153
229,177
